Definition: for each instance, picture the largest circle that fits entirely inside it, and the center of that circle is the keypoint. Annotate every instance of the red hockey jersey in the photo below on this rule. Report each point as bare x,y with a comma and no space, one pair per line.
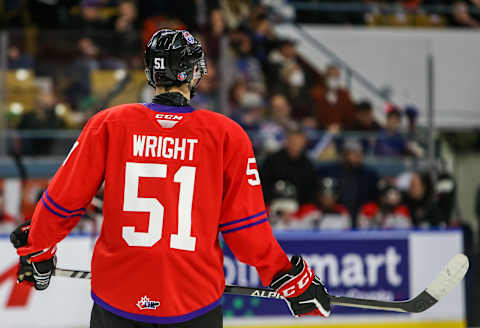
174,178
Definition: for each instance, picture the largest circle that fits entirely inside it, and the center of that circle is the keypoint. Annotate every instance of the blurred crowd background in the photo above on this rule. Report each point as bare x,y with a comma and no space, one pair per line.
327,161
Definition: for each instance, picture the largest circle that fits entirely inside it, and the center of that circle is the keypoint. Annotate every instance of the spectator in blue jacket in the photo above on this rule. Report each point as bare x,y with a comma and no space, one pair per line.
390,141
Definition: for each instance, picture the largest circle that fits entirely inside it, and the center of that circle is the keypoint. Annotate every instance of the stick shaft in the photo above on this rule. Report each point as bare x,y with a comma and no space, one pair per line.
269,293
335,300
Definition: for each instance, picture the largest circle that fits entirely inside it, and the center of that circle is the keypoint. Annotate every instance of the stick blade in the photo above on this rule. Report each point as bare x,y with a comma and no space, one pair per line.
451,275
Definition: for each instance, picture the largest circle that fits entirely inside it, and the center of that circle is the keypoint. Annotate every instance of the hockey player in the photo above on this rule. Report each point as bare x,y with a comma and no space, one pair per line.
174,178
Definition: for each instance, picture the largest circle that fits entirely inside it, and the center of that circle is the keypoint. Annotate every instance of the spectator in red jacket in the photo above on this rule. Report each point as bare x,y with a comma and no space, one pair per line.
332,102
388,213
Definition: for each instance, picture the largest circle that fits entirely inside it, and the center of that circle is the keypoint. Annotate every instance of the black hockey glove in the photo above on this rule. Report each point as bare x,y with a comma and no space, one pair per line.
304,292
39,272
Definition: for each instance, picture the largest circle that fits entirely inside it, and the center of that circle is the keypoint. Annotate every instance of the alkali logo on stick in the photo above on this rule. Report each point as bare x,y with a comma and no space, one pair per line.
146,304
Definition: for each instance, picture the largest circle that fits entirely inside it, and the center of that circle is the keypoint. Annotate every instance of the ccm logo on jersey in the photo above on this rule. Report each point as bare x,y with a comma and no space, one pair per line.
168,120
146,304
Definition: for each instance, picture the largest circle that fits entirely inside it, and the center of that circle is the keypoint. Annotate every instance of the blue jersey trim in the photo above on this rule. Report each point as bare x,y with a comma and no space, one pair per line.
168,109
60,207
244,219
155,319
58,214
245,226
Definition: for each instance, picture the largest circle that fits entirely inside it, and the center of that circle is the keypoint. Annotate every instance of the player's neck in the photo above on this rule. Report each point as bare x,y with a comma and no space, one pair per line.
183,89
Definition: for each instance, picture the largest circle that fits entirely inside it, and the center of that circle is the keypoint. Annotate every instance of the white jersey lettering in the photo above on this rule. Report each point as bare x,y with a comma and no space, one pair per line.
164,147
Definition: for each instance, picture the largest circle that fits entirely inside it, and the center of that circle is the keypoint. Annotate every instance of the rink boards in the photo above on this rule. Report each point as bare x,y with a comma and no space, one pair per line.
383,265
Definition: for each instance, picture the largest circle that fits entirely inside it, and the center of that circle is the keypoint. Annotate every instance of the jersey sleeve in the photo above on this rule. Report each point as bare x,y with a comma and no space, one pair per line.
70,191
244,222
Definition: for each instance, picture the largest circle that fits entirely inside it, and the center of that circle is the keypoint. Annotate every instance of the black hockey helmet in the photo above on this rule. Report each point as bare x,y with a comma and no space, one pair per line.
174,57
328,186
389,193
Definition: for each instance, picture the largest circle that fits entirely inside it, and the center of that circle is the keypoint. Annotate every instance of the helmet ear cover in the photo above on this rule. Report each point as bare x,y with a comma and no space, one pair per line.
170,62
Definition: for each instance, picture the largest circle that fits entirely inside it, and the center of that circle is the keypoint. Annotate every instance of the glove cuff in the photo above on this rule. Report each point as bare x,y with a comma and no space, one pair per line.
43,255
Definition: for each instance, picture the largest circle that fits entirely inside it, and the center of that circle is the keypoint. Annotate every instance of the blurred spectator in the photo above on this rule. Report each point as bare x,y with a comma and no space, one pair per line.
445,197
419,198
241,97
206,95
126,30
462,17
247,67
357,182
127,15
249,116
332,103
411,112
90,21
365,120
212,33
235,12
290,164
284,54
79,90
326,213
43,117
283,206
235,94
388,212
295,87
263,39
17,59
204,12
287,76
274,129
390,141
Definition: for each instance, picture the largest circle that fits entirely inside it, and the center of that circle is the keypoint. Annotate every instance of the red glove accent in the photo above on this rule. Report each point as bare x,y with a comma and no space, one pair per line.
298,284
304,292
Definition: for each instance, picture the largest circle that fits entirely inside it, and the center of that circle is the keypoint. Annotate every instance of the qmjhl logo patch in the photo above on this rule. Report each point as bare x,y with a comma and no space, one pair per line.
146,304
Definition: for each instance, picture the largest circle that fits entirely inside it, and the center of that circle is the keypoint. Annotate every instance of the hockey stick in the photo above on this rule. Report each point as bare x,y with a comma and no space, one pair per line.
449,277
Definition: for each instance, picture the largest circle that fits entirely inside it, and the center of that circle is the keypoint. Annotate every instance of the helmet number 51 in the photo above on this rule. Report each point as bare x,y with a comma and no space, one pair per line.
159,63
